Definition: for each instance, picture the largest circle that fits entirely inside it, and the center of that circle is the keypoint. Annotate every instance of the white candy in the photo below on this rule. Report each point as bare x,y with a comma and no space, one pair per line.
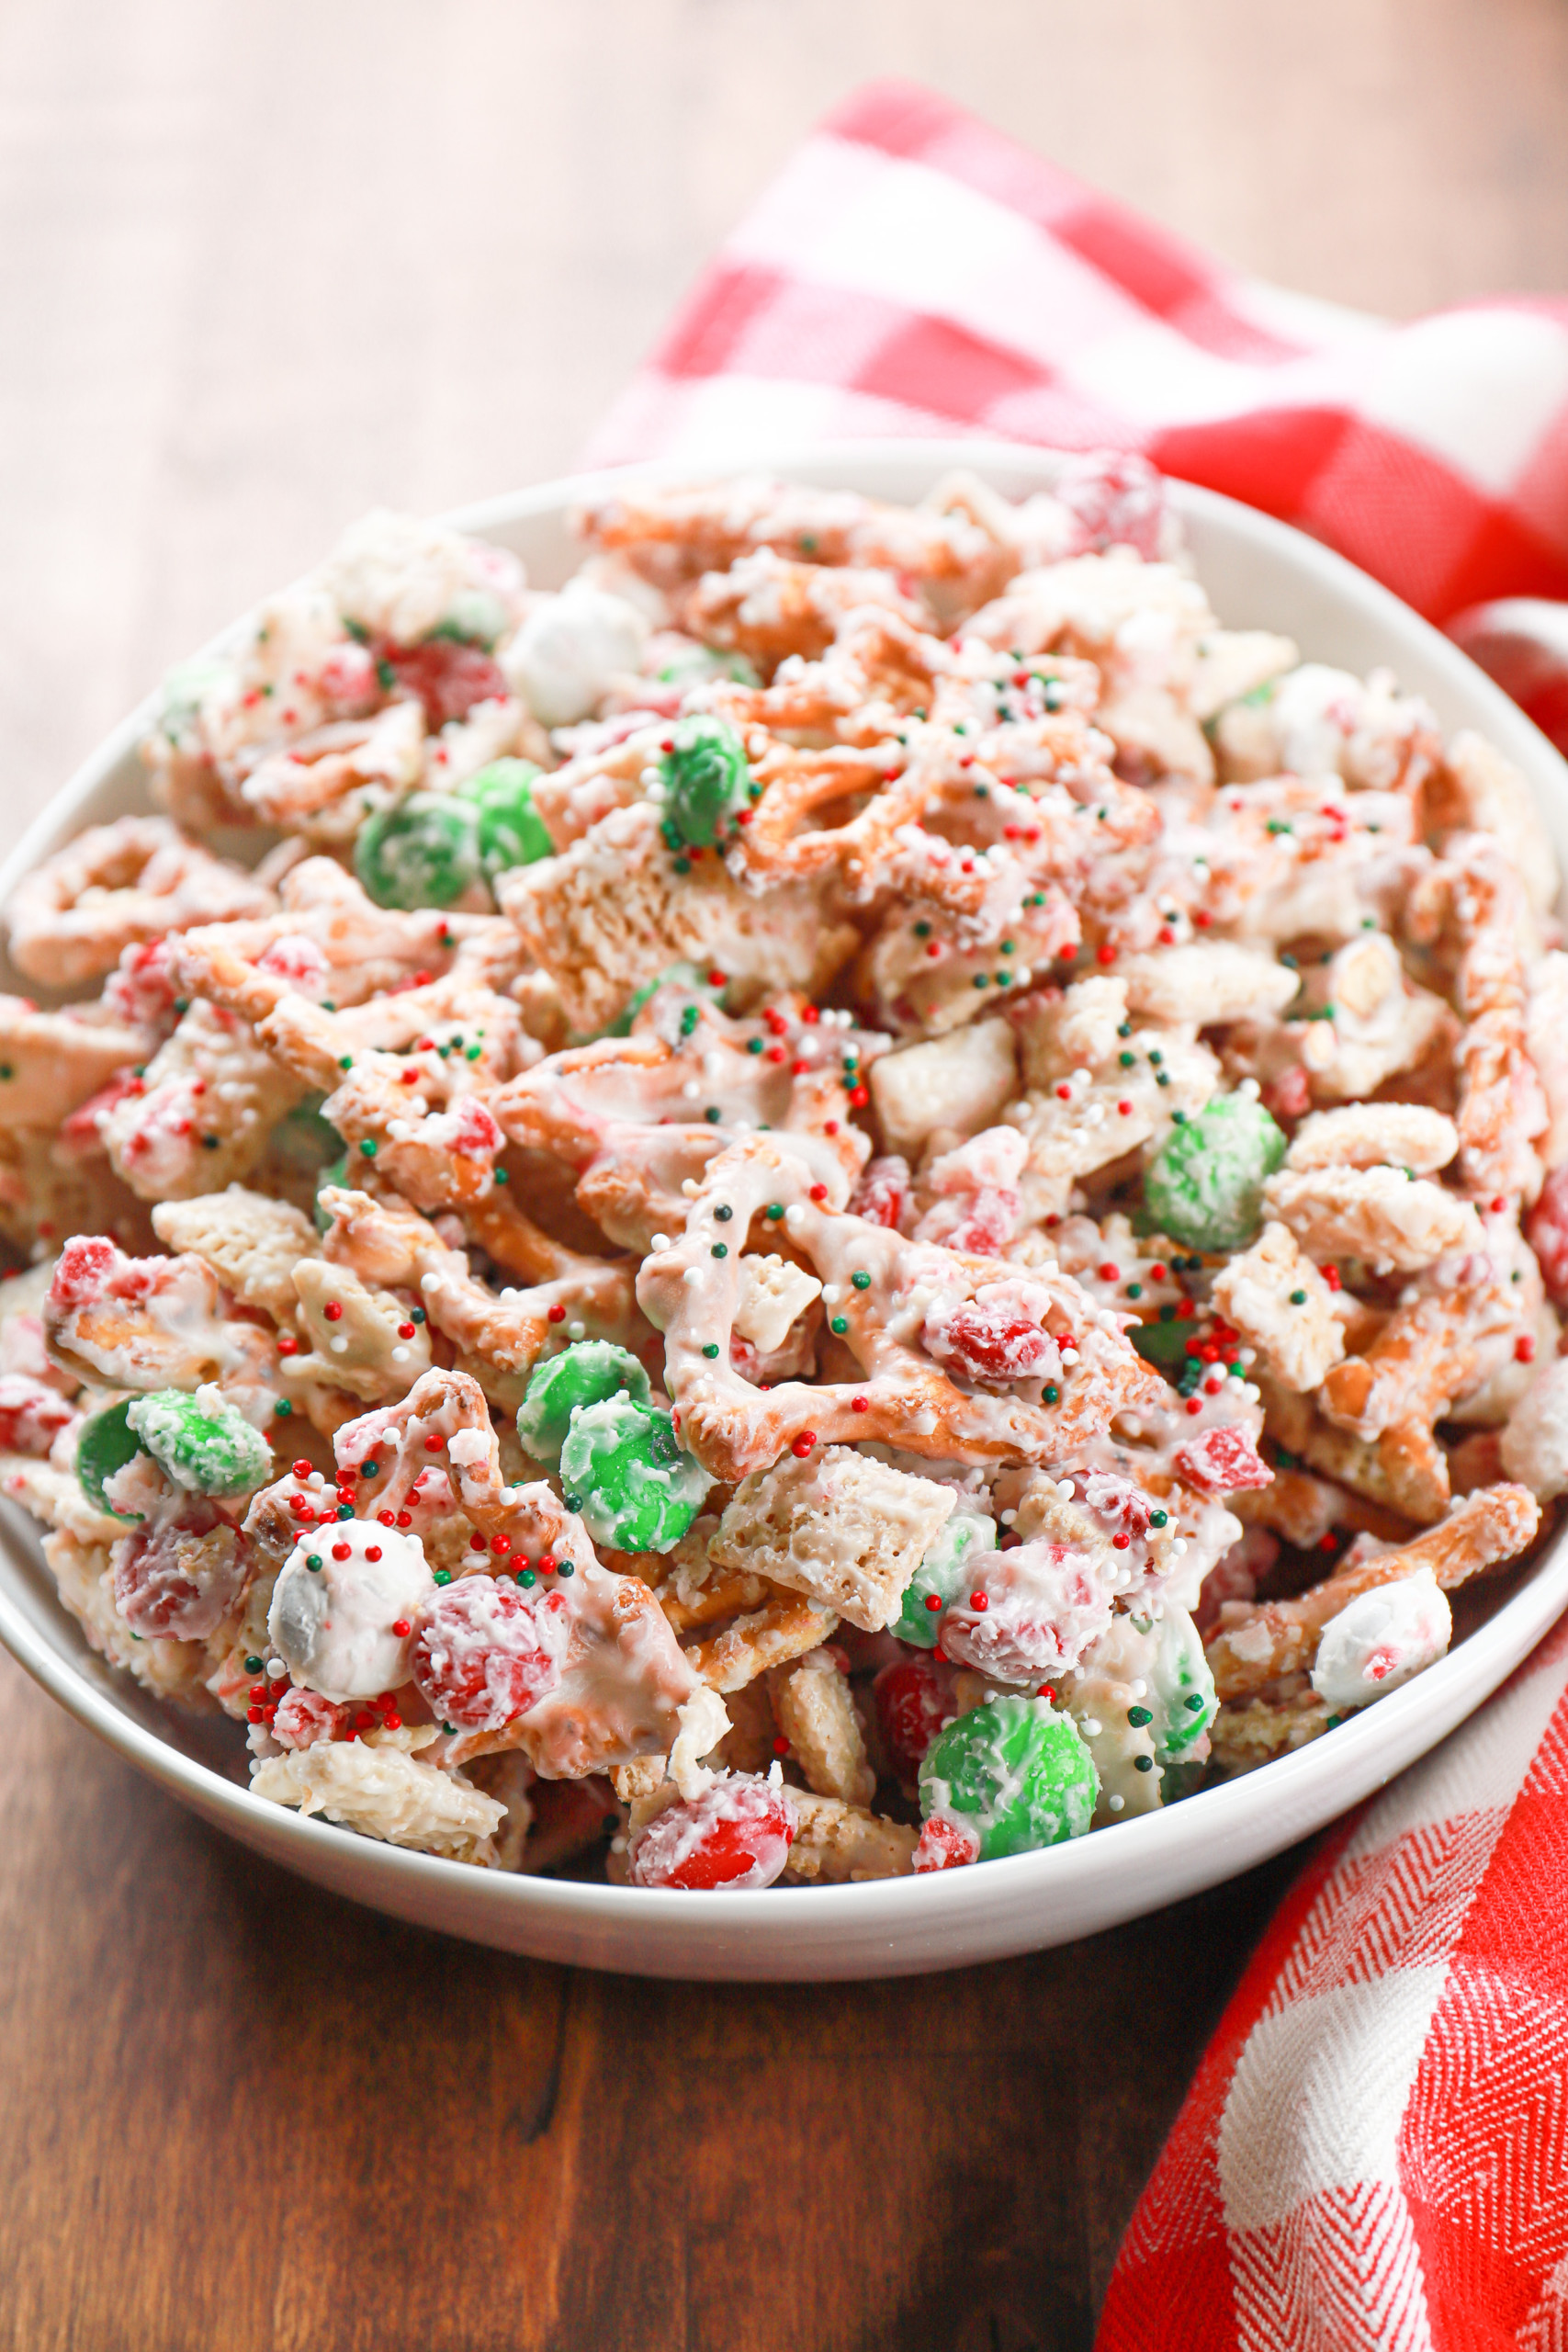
569,649
1535,1443
1379,1640
332,1626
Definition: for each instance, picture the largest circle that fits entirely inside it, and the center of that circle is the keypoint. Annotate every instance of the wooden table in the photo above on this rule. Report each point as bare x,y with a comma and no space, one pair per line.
261,266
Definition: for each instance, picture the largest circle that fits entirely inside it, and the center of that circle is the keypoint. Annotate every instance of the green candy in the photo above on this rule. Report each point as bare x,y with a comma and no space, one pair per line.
511,830
688,977
207,1448
694,665
423,852
1181,1676
1204,1185
622,1469
705,777
1016,1773
590,1374
106,1444
942,1574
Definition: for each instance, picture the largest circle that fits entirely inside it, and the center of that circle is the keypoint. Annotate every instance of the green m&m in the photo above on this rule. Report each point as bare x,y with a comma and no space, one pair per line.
705,778
511,830
423,852
622,1469
588,1373
1015,1772
946,1570
200,1442
106,1444
1204,1185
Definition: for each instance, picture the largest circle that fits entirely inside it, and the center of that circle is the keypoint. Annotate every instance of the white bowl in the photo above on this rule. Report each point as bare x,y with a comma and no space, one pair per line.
1258,573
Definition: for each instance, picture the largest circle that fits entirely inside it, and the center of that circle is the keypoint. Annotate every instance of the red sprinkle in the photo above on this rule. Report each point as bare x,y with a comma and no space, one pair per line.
547,1564
554,1315
1166,936
803,1444
501,1543
780,1745
1330,1275
301,1469
1193,1404
1120,1543
819,1191
1202,920
933,1602
978,1600
372,1550
859,1404
1125,1109
432,1445
405,1519
341,1551
1105,952
405,1330
332,1311
1524,1350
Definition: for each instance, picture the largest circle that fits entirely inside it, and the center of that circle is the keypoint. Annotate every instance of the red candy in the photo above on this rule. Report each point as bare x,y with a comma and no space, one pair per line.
446,677
996,1336
303,1717
913,1699
31,1416
485,1653
1221,1460
737,1834
168,1581
944,1847
882,1196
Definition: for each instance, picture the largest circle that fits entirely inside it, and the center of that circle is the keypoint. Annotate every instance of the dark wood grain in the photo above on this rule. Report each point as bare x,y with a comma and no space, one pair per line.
262,264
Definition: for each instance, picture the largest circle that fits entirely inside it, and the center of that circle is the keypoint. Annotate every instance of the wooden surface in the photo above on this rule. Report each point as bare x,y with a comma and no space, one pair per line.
260,266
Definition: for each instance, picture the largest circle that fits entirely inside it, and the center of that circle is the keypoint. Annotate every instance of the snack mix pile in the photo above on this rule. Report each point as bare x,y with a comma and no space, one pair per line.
853,1198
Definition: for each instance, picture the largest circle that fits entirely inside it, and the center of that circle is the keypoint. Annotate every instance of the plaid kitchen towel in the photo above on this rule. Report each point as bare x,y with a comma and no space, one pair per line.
911,271
1374,2155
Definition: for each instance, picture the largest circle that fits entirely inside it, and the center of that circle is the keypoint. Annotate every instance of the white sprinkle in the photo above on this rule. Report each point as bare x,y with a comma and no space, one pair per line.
339,1347
691,1092
575,1330
1116,1803
832,1293
430,1281
277,1668
661,1241
1091,1727
693,1274
1140,1689
1010,1518
399,1355
1065,1486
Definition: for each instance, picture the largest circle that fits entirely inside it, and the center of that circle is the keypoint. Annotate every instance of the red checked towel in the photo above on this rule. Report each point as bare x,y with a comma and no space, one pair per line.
1374,2155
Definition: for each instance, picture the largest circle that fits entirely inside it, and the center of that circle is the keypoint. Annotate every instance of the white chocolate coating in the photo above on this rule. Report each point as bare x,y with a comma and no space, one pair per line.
332,1626
1381,1640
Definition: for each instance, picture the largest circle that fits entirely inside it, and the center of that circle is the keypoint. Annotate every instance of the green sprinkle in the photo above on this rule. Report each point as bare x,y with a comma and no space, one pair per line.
1143,1763
723,1213
1156,1056
345,1061
774,1210
711,1350
1126,1060
182,1004
1196,1701
683,865
1179,1117
253,1665
1125,1029
719,1250
922,930
713,1114
526,1577
501,1177
442,1575
283,1408
416,1314
1134,1290
1159,1518
861,1278
982,980
209,1143
313,1560
566,1568
1050,1394
840,1325
1139,1716
370,1148
1298,1298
